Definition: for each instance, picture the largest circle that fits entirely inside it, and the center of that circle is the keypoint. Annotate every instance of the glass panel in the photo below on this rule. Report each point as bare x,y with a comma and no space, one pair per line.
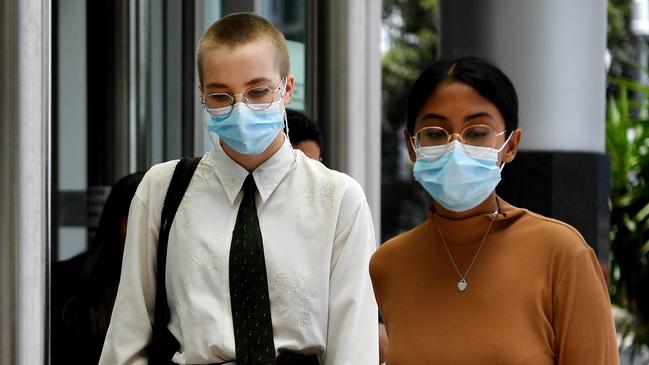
297,55
289,16
70,131
74,239
210,11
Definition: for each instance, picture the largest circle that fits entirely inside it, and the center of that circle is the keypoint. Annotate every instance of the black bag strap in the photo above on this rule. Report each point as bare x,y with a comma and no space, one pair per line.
163,344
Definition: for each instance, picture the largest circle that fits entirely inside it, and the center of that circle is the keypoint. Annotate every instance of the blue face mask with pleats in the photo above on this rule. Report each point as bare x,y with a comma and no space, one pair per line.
454,177
245,130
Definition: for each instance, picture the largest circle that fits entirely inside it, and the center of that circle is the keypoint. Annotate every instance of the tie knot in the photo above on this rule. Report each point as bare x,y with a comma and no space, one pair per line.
249,185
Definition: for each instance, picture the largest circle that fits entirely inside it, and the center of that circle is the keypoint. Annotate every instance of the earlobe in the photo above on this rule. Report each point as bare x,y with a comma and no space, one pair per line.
512,147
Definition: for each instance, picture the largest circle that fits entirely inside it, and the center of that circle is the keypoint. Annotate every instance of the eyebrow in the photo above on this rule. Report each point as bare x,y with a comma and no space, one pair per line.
216,85
433,116
469,118
478,116
257,80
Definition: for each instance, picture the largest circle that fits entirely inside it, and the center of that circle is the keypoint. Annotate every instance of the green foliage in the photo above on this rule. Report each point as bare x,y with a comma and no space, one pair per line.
627,143
621,43
412,31
411,26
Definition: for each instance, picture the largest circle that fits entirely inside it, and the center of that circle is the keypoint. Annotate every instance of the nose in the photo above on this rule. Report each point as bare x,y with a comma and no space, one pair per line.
454,136
241,97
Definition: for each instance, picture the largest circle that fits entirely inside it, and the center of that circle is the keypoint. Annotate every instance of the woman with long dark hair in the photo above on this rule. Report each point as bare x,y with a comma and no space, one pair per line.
84,287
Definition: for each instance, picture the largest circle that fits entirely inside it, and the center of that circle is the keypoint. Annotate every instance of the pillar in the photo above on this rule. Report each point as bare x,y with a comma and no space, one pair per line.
553,50
25,47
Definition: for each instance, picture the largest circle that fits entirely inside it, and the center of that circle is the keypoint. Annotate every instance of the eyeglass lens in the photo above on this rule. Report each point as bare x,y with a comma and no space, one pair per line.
256,98
476,135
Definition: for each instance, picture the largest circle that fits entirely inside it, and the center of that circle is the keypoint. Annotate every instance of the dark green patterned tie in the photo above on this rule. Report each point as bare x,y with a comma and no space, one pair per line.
253,327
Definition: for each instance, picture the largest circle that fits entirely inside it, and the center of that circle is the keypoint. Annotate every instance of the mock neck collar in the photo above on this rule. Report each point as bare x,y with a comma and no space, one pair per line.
471,229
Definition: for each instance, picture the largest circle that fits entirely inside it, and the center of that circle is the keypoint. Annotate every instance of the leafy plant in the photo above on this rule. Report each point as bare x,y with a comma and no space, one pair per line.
410,28
627,143
620,40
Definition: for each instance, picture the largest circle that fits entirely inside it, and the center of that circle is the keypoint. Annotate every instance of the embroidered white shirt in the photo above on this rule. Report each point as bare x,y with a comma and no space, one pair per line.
318,238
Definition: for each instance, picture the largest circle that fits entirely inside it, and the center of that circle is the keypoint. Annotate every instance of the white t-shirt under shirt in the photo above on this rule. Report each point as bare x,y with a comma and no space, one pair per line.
318,238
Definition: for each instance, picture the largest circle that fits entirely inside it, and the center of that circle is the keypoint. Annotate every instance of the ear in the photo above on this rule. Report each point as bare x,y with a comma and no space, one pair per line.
509,152
409,145
290,88
200,88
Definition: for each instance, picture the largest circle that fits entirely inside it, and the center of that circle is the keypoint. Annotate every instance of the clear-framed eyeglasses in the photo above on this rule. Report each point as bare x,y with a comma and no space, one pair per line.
477,135
256,98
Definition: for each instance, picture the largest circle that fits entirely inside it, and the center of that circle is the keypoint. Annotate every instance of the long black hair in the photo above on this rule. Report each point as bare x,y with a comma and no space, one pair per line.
487,79
104,273
86,315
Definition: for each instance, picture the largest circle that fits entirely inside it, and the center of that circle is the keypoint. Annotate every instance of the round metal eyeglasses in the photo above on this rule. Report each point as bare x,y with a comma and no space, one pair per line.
433,142
256,98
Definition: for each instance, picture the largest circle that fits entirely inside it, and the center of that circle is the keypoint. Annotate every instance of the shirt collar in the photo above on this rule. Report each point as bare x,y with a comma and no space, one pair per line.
267,175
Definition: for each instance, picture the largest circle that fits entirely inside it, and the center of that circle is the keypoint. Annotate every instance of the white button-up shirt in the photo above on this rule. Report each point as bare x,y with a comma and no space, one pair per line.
318,238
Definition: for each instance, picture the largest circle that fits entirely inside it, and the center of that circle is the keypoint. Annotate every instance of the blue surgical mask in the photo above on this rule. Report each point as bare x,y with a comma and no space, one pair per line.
245,130
457,179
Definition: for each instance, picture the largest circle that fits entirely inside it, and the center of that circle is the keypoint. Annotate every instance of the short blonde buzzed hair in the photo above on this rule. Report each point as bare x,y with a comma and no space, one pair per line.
240,28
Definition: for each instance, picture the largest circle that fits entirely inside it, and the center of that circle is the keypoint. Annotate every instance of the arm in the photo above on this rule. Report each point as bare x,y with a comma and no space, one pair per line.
130,325
352,331
583,321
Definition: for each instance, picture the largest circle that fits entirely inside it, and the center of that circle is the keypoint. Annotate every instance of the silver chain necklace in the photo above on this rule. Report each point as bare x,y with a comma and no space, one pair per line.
462,284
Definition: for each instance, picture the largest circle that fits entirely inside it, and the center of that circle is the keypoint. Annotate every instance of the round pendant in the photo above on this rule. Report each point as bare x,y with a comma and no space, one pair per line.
461,286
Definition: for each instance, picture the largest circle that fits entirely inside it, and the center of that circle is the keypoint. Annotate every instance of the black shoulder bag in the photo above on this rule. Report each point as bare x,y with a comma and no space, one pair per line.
163,344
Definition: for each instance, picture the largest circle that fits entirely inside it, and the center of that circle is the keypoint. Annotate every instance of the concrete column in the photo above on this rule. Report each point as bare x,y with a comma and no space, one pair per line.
553,50
349,92
25,47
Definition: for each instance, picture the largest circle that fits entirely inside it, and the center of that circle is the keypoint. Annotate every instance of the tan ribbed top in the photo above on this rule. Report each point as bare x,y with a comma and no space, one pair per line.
535,295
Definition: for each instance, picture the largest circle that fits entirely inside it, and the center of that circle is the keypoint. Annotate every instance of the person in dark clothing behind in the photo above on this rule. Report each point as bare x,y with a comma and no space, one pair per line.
84,287
304,134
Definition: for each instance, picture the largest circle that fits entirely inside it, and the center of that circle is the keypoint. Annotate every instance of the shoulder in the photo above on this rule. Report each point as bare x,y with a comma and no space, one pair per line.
554,245
315,169
154,185
548,234
314,173
157,178
553,233
396,251
146,205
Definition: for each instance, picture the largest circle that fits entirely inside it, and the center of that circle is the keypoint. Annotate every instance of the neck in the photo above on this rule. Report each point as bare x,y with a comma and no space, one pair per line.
488,206
251,162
